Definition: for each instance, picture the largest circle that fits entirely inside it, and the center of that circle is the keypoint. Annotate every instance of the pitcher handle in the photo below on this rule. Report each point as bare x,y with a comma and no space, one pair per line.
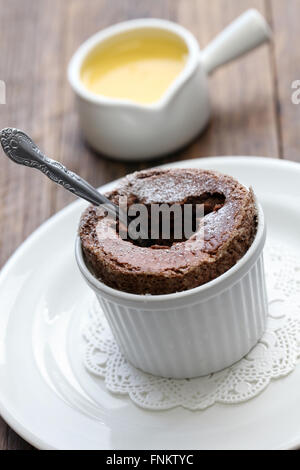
247,32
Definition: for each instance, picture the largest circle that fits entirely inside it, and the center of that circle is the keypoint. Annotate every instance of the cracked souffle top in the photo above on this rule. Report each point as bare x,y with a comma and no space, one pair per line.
222,236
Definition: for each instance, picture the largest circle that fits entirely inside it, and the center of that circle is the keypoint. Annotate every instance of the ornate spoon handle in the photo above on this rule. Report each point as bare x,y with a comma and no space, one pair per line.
22,150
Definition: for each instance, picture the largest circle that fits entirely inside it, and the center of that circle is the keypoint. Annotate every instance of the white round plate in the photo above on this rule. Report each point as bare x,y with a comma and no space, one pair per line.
48,397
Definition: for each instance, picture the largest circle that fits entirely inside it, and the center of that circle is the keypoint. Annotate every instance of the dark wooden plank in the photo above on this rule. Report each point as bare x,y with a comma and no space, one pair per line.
3,435
286,60
32,71
15,442
242,93
31,35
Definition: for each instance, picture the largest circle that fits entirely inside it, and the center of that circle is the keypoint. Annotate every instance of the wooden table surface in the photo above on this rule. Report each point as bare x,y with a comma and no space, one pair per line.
253,111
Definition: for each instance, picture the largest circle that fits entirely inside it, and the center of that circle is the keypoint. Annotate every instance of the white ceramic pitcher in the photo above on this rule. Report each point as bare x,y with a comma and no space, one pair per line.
123,129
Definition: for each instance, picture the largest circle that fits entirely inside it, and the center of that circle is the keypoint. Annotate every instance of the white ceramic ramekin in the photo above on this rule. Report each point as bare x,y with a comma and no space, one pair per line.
192,333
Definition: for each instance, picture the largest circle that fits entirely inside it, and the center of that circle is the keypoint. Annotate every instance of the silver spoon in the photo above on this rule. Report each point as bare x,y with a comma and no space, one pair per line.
22,150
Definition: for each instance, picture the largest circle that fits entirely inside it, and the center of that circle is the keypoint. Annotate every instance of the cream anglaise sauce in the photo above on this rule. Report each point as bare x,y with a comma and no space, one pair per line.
136,66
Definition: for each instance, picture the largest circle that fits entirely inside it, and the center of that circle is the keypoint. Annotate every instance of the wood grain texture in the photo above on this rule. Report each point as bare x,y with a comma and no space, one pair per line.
284,18
252,109
242,93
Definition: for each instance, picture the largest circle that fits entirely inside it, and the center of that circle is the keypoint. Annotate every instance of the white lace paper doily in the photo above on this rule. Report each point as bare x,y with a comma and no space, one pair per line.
275,356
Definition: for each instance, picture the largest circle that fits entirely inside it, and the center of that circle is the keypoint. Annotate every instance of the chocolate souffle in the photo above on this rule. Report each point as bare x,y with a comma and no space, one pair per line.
165,267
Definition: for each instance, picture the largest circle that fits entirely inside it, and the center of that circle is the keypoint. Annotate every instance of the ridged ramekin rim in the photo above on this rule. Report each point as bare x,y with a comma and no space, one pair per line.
210,289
